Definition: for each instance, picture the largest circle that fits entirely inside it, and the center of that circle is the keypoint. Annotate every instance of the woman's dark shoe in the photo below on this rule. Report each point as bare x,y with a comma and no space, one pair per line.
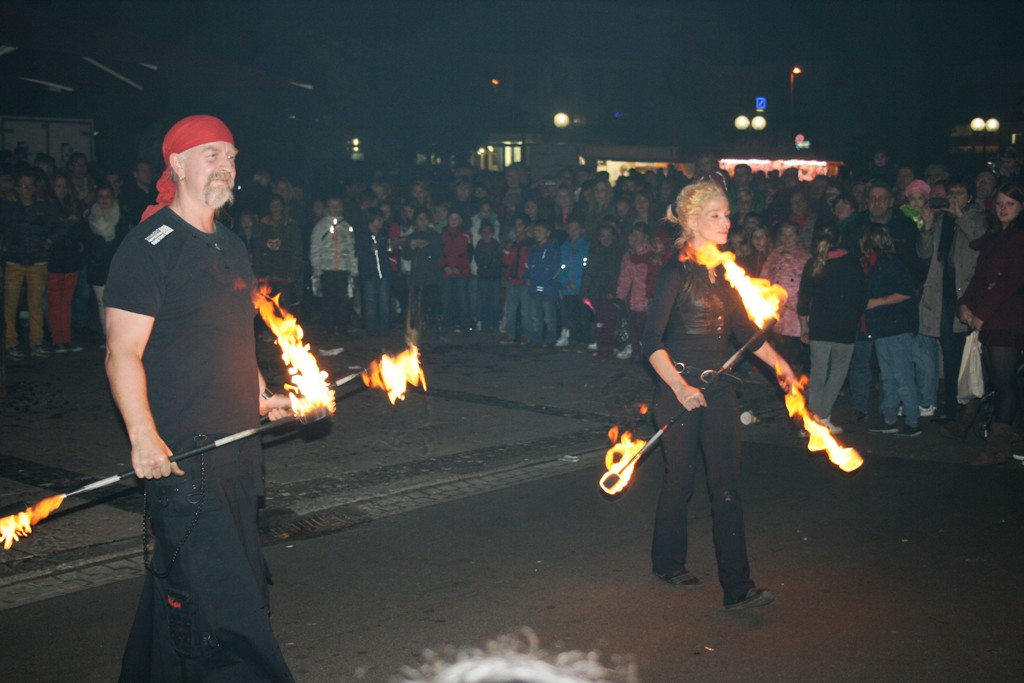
755,597
681,578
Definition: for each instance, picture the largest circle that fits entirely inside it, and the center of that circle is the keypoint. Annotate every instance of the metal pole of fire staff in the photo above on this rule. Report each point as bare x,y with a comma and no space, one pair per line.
265,426
611,479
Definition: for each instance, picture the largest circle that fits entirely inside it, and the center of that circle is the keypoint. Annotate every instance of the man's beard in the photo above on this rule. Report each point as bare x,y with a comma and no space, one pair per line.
216,196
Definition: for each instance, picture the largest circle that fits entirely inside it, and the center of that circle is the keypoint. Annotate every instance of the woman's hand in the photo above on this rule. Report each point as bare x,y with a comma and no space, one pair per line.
689,397
966,317
785,374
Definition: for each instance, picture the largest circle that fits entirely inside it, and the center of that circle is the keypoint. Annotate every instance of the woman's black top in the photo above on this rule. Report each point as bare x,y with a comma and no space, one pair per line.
691,317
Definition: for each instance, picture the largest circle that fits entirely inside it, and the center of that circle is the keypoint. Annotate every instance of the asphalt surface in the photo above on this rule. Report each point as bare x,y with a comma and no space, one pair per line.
471,510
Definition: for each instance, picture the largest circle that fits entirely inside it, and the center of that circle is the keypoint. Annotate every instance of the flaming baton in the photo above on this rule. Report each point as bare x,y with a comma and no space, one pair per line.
622,457
311,394
16,526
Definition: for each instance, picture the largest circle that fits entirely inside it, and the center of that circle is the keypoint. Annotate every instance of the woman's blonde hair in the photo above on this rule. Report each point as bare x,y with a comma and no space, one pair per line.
687,208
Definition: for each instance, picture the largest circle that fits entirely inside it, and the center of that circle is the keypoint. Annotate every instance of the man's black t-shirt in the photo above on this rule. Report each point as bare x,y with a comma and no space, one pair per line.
200,360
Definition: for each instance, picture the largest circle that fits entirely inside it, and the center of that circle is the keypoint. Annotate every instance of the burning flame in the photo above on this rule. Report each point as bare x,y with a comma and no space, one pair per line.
620,460
820,439
15,527
760,297
393,374
762,301
310,389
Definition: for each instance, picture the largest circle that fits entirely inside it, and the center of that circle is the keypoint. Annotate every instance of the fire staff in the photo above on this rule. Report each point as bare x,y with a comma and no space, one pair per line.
182,368
690,319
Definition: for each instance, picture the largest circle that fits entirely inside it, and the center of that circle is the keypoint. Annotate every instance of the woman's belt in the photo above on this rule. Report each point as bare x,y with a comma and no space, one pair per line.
709,377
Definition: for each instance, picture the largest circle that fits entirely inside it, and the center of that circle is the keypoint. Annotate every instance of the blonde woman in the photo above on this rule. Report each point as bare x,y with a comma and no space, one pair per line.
692,314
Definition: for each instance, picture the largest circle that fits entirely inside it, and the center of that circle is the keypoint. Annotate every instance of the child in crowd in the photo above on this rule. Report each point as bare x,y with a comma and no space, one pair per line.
375,272
760,248
542,265
424,249
333,259
600,280
487,256
517,307
632,288
455,258
784,267
573,256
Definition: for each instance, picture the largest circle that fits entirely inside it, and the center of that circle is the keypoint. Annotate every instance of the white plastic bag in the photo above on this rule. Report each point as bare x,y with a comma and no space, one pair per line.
970,383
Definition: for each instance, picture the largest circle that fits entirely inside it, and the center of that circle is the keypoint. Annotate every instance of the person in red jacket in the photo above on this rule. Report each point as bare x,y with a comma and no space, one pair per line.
454,263
517,307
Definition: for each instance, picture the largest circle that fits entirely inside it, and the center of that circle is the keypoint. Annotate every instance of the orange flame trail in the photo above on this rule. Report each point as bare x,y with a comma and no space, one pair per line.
15,527
310,389
394,374
760,297
820,438
763,301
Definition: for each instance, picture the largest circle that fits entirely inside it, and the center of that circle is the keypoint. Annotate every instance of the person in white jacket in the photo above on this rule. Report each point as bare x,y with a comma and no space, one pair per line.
332,255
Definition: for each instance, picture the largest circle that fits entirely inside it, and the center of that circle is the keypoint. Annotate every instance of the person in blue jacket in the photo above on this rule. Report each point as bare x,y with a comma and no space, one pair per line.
573,257
372,252
543,262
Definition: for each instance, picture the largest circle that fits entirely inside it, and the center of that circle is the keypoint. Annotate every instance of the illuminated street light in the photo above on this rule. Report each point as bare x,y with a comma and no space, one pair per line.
741,122
796,71
981,127
562,120
758,123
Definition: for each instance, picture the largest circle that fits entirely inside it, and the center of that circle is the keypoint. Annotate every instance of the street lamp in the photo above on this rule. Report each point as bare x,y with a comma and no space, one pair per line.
983,127
561,120
796,71
758,122
755,123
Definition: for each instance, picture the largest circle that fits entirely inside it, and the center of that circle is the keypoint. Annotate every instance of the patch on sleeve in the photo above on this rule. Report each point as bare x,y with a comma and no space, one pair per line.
158,234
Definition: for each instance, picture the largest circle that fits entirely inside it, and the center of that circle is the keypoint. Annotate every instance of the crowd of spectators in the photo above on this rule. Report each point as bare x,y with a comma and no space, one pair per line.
878,263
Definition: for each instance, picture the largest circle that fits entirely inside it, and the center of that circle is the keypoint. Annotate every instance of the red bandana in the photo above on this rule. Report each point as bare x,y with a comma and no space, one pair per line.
184,135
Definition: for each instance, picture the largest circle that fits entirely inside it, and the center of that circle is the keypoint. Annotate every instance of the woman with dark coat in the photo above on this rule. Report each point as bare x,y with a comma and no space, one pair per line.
994,306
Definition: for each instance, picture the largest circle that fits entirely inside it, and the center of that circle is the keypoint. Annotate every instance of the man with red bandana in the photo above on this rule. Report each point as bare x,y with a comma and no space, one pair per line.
182,368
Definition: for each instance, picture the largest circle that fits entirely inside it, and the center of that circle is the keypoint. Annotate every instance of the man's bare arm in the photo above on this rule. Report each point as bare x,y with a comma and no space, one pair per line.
127,336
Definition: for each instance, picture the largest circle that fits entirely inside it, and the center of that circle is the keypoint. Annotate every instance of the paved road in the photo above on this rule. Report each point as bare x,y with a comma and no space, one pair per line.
908,570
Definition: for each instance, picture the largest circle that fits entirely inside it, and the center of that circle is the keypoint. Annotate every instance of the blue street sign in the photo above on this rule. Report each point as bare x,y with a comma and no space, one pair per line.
760,103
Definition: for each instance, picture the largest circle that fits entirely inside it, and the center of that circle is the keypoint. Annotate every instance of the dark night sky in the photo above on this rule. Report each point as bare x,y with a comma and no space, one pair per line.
414,76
